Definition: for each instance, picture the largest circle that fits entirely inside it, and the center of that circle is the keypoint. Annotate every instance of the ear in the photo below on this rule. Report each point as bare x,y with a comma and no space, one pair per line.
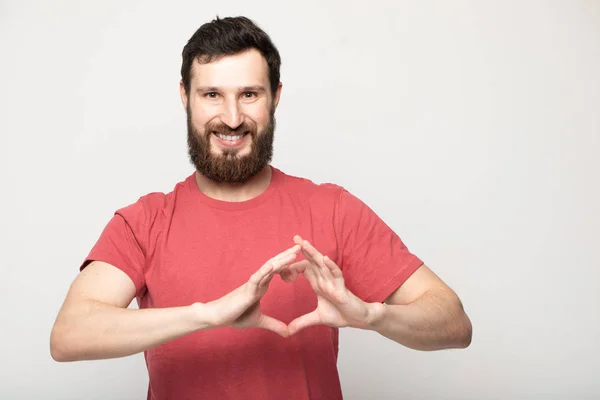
277,95
184,96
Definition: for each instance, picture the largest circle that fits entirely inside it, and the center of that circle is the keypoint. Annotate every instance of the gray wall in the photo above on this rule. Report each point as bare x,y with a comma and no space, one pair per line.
477,124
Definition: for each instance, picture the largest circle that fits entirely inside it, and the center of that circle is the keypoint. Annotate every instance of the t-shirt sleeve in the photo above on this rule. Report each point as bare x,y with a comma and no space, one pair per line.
119,247
374,260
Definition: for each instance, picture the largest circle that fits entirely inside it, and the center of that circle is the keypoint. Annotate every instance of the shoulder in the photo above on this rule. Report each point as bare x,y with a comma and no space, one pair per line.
325,196
321,193
151,209
147,207
309,190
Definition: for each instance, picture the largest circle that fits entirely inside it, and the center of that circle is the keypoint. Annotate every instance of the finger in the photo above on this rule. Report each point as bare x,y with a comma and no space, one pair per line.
299,267
328,282
282,261
271,266
312,275
292,250
304,321
298,239
277,266
290,273
312,253
285,257
286,275
318,272
262,272
266,280
326,272
335,271
272,324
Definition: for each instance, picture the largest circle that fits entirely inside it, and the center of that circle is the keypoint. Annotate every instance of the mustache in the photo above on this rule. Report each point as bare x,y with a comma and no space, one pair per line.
223,129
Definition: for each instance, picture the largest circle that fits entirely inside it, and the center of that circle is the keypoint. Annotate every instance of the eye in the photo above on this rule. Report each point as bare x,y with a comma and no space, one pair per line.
249,95
211,95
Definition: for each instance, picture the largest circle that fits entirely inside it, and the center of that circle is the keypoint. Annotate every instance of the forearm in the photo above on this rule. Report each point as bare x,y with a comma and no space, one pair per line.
432,322
93,330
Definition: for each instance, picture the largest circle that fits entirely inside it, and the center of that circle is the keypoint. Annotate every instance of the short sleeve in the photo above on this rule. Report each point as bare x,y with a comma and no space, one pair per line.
119,247
374,260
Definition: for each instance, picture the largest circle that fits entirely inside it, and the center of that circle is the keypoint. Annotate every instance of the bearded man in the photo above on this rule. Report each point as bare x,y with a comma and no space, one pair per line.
213,323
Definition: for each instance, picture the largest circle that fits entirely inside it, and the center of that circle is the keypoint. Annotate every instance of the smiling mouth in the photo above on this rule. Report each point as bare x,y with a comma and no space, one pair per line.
230,138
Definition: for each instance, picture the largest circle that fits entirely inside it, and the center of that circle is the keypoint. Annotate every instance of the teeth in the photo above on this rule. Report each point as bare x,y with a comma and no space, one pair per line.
226,137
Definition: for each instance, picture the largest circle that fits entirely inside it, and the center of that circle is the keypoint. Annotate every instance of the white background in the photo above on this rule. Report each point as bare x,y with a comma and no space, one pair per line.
472,128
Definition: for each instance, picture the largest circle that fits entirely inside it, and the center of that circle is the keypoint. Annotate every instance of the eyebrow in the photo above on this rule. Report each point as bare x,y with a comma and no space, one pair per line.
255,88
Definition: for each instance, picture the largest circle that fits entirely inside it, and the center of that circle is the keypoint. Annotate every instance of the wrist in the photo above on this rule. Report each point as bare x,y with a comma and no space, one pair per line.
376,313
201,316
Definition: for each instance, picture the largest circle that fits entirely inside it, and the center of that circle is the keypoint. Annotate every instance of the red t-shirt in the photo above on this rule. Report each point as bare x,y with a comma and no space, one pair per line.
185,247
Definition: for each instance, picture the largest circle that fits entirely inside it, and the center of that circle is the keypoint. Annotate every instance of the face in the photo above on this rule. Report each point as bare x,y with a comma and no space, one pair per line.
230,117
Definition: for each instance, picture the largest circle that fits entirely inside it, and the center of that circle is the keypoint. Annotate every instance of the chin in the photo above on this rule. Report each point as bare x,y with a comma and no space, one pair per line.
238,154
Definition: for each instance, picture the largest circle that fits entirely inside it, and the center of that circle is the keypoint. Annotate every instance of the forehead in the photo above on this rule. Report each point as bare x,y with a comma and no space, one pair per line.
238,70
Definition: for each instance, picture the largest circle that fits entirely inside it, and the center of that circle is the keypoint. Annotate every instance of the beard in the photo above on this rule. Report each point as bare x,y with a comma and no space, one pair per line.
229,167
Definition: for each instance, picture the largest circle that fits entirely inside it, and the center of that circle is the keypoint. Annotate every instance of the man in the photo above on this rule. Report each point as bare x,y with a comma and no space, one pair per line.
201,260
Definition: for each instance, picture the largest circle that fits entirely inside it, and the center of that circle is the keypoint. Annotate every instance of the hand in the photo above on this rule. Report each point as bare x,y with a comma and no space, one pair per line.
241,307
336,305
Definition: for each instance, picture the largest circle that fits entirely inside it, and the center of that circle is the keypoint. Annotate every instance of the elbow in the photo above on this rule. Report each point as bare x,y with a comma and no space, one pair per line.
464,334
59,348
57,355
463,328
467,337
57,351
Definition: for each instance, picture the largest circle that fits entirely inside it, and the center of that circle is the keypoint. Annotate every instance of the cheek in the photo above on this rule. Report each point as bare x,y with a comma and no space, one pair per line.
259,114
200,118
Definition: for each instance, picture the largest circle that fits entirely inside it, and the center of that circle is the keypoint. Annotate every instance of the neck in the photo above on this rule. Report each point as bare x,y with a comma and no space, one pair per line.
235,192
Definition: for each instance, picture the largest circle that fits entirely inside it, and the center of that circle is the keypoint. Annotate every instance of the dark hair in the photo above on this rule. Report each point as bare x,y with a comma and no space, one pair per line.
225,37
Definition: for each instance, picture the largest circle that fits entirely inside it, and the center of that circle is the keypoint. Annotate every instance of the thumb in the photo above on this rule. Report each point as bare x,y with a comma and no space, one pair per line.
272,324
304,321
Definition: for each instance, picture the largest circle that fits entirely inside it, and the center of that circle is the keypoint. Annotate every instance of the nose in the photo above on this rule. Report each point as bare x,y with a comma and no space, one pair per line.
232,115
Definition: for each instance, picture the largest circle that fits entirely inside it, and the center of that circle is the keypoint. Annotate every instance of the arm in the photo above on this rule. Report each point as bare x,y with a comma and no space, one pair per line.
423,314
94,322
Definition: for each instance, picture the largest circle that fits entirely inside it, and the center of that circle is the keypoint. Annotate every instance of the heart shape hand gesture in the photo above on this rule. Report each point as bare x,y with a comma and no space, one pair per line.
336,305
